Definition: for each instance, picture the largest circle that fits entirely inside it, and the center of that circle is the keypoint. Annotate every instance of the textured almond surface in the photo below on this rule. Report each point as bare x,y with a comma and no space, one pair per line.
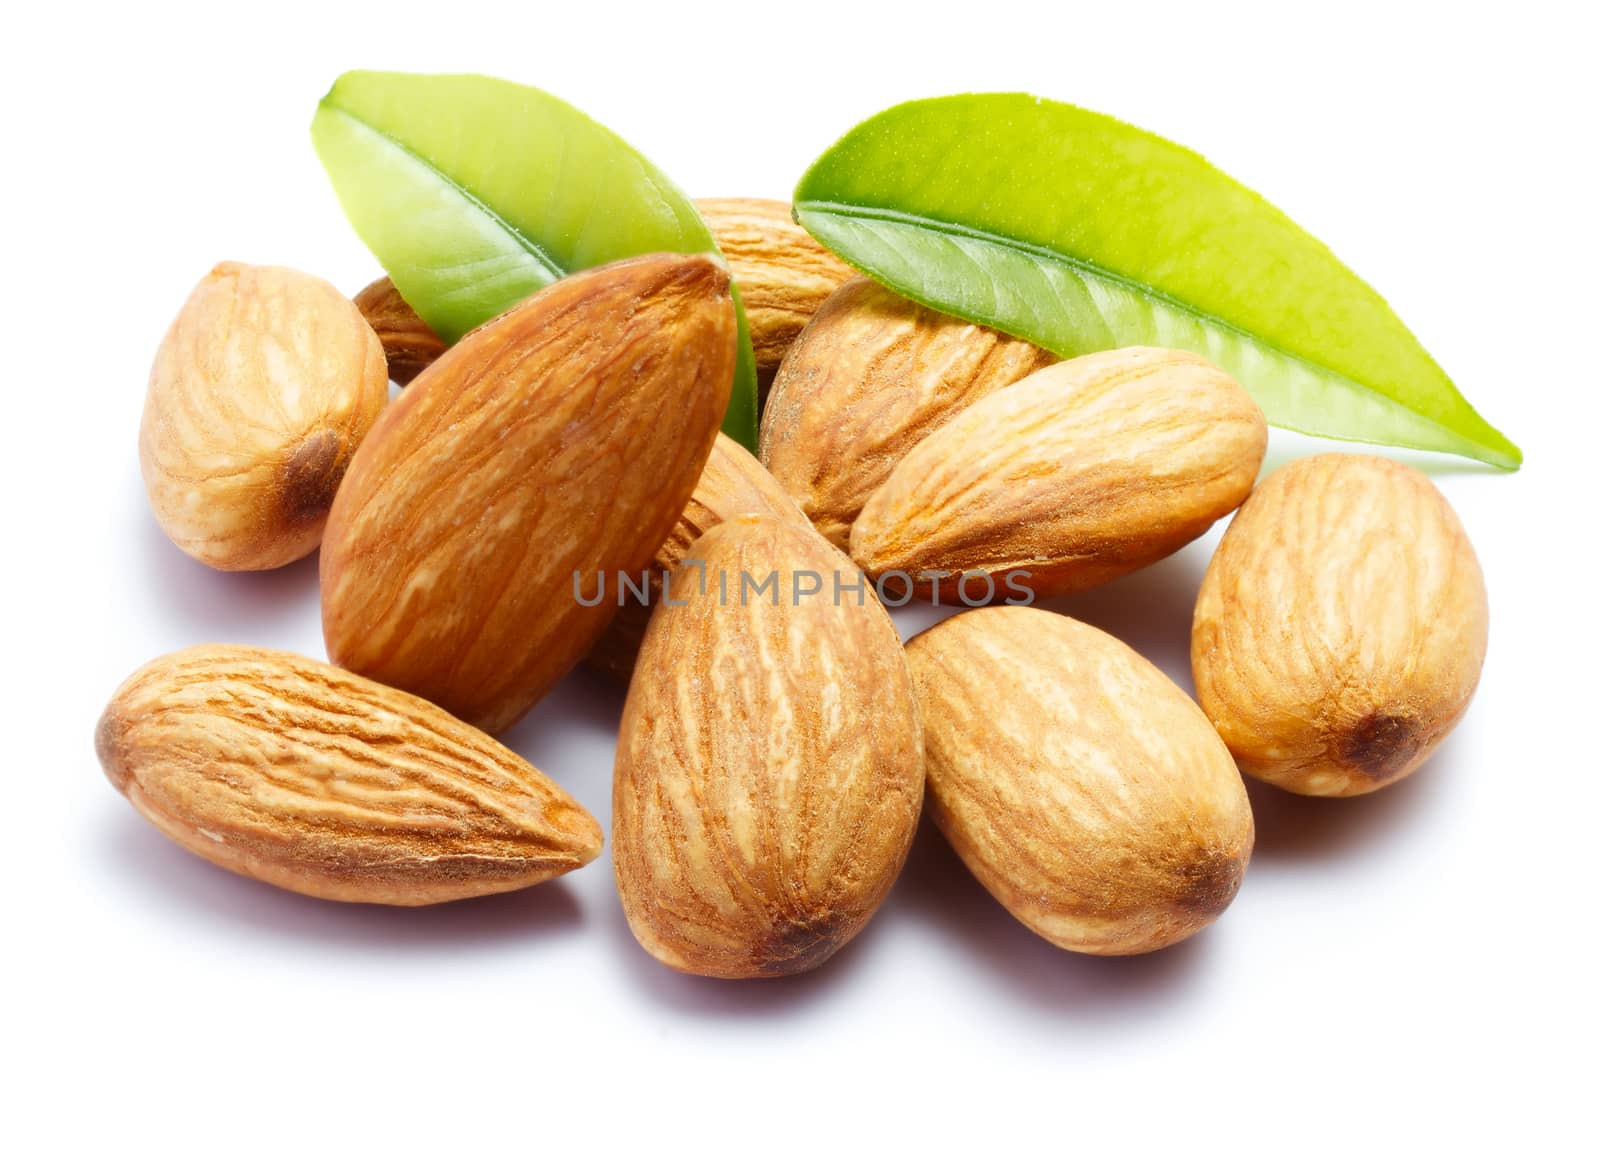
264,386
872,375
733,483
313,779
769,764
1341,627
1082,472
1079,784
784,274
560,440
409,345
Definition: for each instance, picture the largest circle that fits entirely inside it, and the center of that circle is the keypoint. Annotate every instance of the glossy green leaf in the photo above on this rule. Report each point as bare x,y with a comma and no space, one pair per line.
1080,233
475,192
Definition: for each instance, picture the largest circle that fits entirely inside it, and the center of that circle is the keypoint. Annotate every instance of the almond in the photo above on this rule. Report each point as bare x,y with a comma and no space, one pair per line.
1080,785
1077,474
1341,627
305,776
732,484
769,763
409,345
783,273
264,386
544,452
872,375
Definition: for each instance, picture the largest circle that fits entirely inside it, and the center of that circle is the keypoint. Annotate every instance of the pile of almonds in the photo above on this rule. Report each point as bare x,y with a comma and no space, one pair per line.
775,747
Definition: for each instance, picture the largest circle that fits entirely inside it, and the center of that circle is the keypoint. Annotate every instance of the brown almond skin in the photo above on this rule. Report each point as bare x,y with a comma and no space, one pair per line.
553,444
733,483
409,345
1077,474
1341,628
871,376
769,764
302,775
263,387
783,273
1079,784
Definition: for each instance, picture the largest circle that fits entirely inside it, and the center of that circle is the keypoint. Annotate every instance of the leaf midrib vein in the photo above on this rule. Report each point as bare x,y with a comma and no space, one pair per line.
1085,268
554,269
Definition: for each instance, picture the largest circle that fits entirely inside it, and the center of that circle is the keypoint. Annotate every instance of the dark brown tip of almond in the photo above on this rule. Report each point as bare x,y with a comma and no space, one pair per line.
797,945
311,477
1209,884
1380,745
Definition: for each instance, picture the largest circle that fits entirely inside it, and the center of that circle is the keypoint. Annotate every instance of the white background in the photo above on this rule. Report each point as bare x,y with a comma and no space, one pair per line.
1408,973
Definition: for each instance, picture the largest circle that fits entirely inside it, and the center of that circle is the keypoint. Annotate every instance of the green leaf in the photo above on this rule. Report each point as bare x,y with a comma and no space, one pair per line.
1081,233
475,192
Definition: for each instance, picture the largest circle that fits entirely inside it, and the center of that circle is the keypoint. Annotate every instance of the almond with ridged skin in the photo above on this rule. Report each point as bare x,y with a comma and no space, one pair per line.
409,345
769,764
549,448
316,780
872,375
264,386
1341,627
732,484
784,274
1079,784
1078,474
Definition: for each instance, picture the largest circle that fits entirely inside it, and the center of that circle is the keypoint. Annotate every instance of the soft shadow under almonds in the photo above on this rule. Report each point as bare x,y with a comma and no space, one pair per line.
584,702
1150,610
234,603
134,852
1293,827
937,886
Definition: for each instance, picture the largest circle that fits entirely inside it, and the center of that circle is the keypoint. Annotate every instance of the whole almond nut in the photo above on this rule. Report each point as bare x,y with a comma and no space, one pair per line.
310,778
732,484
544,452
264,386
872,375
1341,627
1077,474
783,273
409,345
769,763
1080,785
